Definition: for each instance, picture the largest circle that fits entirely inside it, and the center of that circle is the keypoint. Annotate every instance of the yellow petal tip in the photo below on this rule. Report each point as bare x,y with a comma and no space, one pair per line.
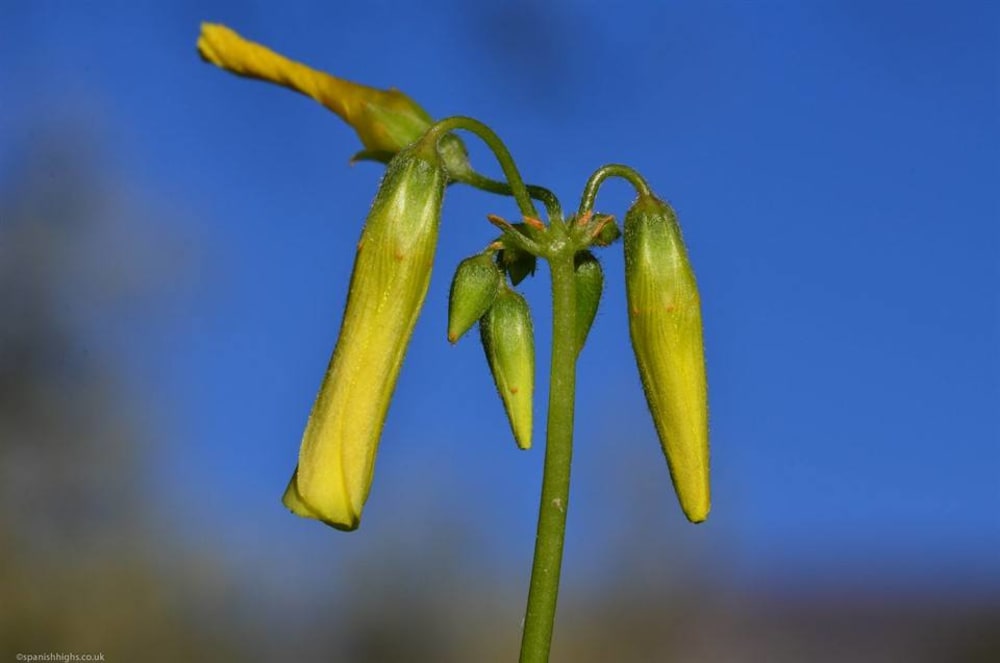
696,510
294,502
213,42
697,517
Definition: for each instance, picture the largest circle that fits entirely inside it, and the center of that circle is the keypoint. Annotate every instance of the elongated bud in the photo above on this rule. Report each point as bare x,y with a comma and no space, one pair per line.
665,323
589,286
392,270
473,290
509,342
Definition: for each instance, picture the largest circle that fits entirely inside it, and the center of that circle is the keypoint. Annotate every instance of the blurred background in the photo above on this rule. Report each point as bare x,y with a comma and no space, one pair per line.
175,246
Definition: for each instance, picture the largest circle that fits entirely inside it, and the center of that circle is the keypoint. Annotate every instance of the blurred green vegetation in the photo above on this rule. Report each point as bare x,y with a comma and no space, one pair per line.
82,569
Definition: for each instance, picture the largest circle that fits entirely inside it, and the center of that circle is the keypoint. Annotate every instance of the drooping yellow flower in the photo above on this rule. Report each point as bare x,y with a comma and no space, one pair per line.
386,121
391,274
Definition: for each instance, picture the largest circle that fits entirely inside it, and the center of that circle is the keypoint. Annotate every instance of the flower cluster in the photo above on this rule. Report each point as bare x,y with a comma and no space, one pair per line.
392,271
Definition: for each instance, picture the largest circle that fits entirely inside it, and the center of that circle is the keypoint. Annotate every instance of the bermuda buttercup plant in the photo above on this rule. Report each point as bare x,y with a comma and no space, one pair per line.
332,477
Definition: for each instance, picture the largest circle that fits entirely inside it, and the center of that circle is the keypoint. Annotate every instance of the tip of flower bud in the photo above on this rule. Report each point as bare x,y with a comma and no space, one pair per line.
213,40
335,516
698,515
696,504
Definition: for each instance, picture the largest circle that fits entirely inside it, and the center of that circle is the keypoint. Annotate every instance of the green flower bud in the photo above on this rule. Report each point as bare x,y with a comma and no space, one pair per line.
508,340
473,290
392,270
589,286
665,323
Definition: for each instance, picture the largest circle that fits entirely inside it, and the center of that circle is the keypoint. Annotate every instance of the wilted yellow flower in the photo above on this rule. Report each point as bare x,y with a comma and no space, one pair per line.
386,121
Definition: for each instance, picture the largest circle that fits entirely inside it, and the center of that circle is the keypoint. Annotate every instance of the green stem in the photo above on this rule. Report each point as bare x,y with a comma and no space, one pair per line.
541,194
603,173
488,136
544,591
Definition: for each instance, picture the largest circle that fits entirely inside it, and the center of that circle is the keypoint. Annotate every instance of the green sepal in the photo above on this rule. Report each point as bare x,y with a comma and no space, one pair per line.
379,156
513,259
589,286
452,151
517,263
454,155
607,230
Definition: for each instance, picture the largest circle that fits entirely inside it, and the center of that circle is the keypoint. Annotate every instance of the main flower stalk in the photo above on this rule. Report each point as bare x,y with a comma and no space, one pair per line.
543,593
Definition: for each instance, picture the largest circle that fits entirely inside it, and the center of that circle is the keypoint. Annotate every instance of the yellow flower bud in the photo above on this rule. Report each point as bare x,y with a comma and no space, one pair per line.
391,274
665,324
509,342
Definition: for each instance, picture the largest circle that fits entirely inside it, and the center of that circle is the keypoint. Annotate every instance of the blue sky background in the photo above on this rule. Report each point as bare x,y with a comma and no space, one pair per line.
834,167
